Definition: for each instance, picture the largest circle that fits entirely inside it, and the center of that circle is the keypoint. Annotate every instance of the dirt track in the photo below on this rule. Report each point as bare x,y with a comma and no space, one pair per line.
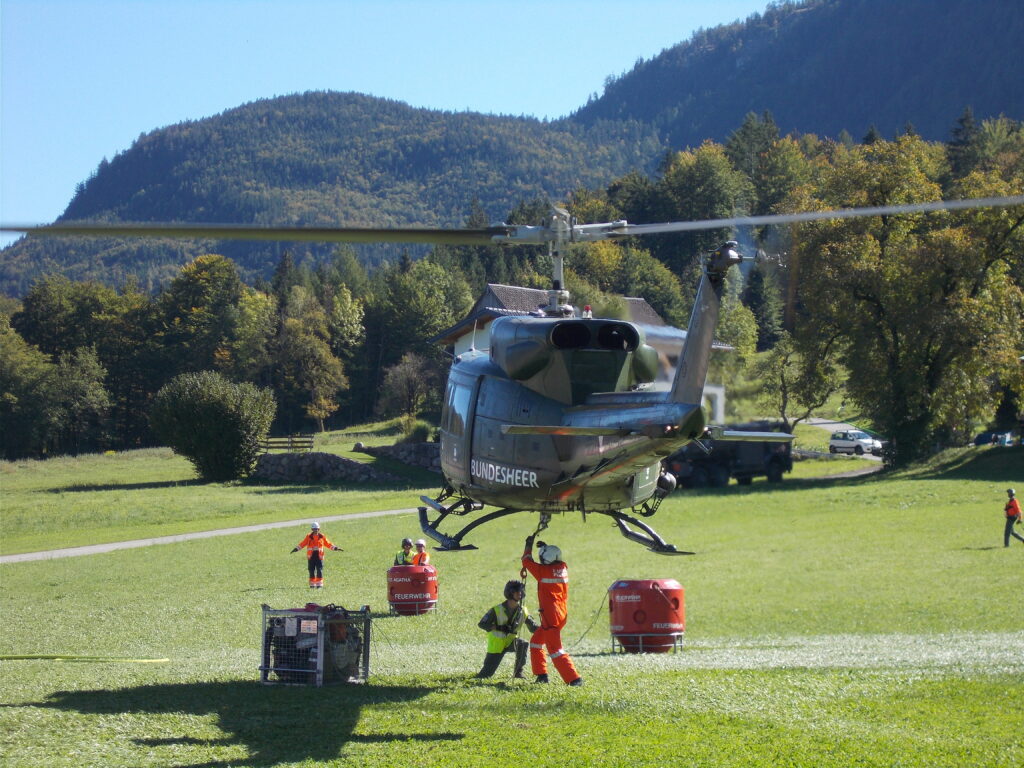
95,549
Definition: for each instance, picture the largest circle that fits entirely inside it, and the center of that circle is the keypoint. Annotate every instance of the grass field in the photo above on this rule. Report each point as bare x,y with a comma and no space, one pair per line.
869,621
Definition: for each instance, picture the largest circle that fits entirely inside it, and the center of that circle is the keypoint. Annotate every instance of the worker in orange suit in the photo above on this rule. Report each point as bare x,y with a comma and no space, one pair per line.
552,577
314,544
421,557
1012,511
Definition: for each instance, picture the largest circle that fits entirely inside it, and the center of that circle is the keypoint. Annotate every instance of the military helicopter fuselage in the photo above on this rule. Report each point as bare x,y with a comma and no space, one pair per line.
574,376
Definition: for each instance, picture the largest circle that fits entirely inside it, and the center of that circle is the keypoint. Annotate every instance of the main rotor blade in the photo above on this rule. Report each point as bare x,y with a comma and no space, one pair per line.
501,234
626,230
281,234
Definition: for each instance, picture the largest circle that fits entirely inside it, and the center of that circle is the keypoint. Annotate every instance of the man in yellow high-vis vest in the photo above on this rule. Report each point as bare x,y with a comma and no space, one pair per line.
502,624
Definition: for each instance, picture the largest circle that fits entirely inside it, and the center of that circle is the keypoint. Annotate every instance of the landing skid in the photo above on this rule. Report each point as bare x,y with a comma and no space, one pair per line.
652,540
460,507
649,538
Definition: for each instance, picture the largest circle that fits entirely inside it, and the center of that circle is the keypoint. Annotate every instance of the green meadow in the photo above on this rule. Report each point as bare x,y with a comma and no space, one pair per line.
831,621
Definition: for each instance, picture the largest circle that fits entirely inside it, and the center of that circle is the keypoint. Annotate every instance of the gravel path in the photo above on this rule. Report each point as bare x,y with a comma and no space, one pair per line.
95,549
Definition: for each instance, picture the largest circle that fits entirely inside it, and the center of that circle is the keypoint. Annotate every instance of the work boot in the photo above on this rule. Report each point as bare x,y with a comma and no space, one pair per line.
577,682
542,678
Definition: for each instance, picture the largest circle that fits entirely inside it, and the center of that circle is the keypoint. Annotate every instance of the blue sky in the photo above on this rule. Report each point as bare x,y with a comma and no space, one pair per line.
80,80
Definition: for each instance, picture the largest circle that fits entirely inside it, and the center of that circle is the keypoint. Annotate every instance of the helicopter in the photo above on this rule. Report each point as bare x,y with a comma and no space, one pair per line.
560,413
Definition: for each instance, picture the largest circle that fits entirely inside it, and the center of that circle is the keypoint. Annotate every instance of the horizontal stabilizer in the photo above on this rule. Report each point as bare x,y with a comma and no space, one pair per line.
738,435
530,429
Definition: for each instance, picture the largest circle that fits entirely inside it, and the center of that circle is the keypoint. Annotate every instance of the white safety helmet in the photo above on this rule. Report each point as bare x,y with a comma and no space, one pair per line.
1010,492
421,542
549,553
315,526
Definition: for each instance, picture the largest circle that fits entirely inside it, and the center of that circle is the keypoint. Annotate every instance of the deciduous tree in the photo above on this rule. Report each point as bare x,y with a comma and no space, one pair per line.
306,375
924,306
407,386
214,423
795,384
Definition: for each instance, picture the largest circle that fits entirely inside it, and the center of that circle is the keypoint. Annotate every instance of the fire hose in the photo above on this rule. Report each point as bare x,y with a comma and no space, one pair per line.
68,657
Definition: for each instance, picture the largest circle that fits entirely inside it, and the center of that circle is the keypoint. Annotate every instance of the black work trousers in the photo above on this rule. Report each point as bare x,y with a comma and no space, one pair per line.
315,565
492,660
1008,531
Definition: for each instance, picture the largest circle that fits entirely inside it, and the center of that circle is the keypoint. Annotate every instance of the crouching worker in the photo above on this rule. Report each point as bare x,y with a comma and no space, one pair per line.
502,624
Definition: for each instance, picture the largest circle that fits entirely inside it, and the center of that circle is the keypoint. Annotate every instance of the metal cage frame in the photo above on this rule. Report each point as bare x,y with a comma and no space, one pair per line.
661,637
315,645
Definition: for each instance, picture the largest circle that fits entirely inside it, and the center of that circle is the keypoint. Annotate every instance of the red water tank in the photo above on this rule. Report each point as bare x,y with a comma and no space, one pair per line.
412,589
647,615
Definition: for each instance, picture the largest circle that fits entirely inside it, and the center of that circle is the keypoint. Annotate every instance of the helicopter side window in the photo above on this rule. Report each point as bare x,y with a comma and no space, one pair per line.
458,410
446,413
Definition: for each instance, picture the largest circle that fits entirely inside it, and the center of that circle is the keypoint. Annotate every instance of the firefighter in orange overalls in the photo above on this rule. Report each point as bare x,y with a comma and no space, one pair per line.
552,577
314,543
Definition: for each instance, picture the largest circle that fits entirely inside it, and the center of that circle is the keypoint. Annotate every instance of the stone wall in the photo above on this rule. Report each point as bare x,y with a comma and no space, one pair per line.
316,467
425,455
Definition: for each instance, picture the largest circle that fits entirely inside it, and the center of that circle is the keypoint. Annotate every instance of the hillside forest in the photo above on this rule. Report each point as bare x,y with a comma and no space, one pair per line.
918,319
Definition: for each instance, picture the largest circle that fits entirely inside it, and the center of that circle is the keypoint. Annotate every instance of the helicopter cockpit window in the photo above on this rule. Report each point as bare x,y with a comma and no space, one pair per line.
570,335
617,336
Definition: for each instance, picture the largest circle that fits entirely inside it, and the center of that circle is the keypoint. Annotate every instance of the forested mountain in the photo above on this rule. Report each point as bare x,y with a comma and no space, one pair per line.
322,159
820,66
825,66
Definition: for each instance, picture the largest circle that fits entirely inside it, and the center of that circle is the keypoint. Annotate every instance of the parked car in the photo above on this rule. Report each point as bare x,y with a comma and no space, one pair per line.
994,438
854,441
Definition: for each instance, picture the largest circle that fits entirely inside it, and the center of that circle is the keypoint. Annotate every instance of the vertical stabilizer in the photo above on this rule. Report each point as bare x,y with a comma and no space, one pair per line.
688,385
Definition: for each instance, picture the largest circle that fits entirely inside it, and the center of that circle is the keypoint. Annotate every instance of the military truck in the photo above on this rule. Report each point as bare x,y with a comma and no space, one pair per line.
713,462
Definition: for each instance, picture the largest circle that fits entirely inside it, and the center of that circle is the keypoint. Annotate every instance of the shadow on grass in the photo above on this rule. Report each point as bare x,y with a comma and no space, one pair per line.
272,723
261,488
789,484
995,464
88,487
